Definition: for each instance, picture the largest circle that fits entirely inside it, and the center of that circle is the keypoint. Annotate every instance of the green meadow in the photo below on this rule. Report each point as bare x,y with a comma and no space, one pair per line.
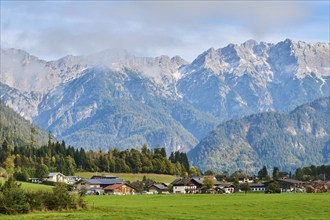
132,176
232,206
32,186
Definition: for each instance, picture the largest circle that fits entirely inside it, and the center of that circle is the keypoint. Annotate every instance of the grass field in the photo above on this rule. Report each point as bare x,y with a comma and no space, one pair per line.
234,206
132,176
32,186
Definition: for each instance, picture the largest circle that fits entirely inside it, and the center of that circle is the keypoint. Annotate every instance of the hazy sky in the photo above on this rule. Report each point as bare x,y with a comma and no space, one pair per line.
52,29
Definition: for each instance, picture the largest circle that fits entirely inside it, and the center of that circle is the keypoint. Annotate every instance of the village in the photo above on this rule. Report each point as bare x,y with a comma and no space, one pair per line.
112,185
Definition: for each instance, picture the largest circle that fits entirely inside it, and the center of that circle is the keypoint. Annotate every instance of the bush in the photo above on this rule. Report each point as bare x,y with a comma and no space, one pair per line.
61,198
14,200
273,187
245,187
37,200
22,176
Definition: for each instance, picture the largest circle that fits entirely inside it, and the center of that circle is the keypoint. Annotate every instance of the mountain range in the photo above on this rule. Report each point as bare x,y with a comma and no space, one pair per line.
116,99
284,140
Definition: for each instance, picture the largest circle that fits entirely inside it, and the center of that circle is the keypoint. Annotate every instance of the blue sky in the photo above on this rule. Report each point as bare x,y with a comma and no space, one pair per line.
53,29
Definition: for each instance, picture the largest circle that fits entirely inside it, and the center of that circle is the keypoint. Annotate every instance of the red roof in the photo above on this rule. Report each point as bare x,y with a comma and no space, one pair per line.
114,186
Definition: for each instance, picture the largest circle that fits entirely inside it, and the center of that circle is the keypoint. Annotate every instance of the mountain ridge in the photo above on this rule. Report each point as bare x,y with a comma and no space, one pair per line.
288,141
191,98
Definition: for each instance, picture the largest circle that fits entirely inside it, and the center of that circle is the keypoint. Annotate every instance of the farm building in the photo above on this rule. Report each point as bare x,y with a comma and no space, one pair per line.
88,184
257,187
119,189
55,177
158,188
288,185
71,179
185,185
225,188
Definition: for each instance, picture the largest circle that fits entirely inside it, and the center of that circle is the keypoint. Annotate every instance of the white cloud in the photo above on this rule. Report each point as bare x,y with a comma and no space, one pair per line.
54,29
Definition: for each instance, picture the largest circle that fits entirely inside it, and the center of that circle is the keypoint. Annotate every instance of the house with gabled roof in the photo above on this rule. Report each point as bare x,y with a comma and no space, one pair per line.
192,184
59,177
288,185
55,177
225,188
185,185
119,189
257,187
159,188
88,184
71,179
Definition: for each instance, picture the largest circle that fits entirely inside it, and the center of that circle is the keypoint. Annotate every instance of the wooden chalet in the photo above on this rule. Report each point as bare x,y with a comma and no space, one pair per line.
185,185
257,187
288,185
88,184
119,189
160,188
225,188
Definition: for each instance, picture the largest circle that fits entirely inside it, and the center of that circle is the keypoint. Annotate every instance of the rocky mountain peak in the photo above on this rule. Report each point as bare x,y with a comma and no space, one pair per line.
179,60
249,44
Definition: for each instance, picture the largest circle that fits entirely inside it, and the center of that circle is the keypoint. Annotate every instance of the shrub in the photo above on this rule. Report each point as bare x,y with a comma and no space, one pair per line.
22,176
60,198
273,187
14,200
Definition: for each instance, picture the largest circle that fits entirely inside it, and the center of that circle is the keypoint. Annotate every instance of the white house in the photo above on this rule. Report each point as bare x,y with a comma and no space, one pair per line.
71,179
226,188
245,180
257,187
186,185
56,177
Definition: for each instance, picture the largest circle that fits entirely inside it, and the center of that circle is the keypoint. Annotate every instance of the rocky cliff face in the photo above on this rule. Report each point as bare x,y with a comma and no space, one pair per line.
242,79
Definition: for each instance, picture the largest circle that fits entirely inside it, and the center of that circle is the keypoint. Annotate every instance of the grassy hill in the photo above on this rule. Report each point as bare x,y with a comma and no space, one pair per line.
31,186
203,206
132,176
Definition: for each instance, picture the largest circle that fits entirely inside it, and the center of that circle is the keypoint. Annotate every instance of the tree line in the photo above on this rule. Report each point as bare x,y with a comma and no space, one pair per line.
307,173
29,161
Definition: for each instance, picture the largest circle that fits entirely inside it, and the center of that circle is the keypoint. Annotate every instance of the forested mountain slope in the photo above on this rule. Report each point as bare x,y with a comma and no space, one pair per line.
288,141
19,131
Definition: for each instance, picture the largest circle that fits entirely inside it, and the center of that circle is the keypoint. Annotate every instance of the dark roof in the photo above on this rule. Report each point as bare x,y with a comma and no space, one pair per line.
246,177
256,185
226,185
181,182
103,176
290,181
200,179
103,181
159,186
